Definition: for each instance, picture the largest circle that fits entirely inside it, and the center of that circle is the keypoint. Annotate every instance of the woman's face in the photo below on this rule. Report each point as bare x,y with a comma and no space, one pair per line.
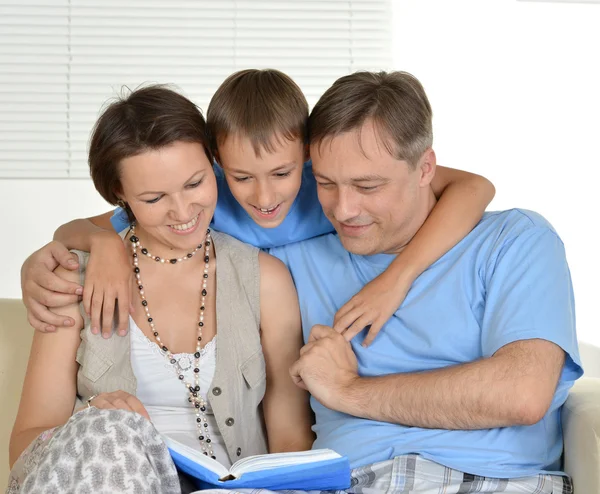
172,192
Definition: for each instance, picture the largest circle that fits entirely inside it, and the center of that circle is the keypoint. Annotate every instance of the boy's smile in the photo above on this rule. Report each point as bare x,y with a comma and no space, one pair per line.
266,183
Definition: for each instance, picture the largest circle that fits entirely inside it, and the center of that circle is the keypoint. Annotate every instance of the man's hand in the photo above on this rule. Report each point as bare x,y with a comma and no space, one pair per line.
41,288
327,366
372,306
108,279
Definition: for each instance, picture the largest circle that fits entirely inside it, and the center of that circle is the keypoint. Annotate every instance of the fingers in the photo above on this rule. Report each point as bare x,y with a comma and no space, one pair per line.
62,256
45,279
96,311
347,319
108,313
343,312
319,331
121,404
66,259
120,400
306,348
43,319
48,298
102,401
123,309
38,325
101,306
88,292
357,326
295,371
137,406
373,332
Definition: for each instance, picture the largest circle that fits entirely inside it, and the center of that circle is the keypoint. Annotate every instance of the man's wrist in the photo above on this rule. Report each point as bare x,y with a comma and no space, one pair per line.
352,397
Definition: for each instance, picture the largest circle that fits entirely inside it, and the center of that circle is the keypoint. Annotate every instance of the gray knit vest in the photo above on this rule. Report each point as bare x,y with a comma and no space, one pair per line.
239,382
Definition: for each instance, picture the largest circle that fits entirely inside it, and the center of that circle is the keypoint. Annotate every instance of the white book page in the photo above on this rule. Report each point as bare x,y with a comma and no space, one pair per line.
275,460
184,444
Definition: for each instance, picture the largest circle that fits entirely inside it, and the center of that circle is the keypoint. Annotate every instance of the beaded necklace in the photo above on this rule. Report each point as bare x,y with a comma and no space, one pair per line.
193,390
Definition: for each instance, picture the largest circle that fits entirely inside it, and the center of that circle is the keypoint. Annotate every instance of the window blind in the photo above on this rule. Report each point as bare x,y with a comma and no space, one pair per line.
62,60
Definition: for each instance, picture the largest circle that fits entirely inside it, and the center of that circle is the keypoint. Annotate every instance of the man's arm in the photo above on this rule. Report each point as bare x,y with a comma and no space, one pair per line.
515,386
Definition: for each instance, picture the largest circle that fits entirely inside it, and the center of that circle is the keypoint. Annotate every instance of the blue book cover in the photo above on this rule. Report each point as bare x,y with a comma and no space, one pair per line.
305,470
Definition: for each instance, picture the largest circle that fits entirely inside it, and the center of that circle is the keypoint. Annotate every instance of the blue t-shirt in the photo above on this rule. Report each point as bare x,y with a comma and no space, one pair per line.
507,280
304,220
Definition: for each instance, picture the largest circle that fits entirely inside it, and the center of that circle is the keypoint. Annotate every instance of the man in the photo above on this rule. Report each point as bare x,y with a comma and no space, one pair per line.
462,389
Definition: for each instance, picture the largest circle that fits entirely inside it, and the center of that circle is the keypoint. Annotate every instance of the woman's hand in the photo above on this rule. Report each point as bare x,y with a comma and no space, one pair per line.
119,400
107,284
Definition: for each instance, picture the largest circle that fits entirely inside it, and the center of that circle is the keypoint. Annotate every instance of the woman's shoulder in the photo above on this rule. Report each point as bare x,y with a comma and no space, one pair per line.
235,256
225,243
272,269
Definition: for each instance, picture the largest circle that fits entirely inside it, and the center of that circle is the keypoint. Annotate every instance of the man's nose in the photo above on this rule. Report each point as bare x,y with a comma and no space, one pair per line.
347,205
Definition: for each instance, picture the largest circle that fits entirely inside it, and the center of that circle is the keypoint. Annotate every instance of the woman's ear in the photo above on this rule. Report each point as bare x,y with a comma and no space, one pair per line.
426,167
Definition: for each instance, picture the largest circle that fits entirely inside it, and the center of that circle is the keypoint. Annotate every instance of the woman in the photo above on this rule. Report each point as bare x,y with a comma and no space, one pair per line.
214,333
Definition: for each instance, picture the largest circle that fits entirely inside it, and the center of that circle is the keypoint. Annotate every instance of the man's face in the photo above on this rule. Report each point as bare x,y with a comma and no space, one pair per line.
375,202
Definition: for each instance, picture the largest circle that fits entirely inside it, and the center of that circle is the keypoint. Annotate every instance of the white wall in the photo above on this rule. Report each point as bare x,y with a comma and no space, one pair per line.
515,88
30,211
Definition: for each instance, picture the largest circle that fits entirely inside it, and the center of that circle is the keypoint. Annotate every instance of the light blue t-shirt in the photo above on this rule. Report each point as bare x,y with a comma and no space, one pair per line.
304,220
507,280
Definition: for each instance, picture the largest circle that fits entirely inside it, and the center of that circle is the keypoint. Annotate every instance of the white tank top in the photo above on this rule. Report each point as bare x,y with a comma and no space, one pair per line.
164,395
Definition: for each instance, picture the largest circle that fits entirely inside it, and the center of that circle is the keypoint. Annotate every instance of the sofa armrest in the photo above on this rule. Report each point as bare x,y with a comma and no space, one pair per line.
581,429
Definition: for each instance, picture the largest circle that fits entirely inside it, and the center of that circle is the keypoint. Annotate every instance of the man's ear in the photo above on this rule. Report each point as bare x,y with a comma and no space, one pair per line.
426,167
306,152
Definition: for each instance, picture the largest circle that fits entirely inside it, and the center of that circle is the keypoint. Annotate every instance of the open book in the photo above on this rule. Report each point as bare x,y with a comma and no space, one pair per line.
321,469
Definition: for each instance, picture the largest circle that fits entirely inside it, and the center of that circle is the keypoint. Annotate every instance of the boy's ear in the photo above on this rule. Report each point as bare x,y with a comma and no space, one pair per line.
426,167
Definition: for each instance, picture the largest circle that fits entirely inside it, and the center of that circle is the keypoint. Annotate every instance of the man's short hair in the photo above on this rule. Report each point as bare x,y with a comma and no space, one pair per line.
396,103
261,105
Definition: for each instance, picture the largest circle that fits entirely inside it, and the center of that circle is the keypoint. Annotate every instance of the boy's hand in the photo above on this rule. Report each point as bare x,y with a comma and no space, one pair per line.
372,306
41,288
108,284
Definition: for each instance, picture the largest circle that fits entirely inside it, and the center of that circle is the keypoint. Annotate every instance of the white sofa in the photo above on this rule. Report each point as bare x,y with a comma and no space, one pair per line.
581,417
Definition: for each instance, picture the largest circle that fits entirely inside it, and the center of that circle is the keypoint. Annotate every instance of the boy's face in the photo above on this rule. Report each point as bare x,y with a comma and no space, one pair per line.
266,185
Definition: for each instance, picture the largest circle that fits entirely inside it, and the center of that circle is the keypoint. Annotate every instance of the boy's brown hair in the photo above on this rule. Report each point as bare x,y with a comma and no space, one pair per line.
396,103
147,119
261,105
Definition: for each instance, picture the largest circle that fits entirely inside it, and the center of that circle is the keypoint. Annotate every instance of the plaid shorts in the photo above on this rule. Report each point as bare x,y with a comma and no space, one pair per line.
408,474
